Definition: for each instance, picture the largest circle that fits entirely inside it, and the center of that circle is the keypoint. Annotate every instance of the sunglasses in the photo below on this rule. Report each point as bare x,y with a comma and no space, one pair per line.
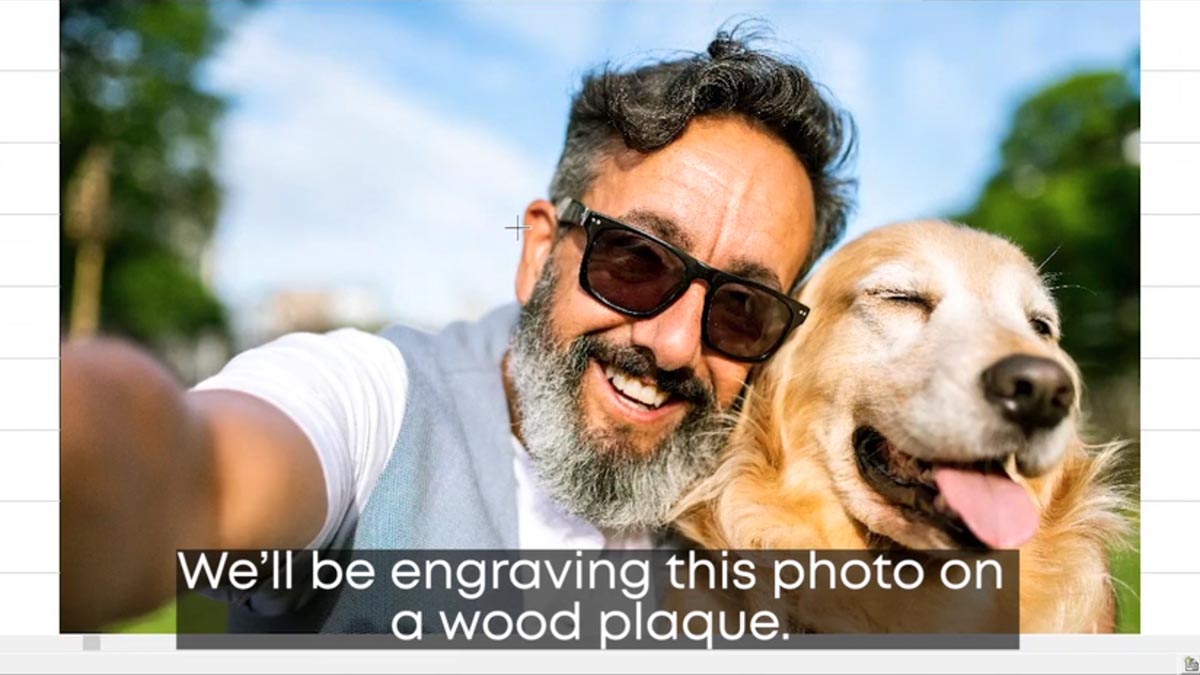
640,275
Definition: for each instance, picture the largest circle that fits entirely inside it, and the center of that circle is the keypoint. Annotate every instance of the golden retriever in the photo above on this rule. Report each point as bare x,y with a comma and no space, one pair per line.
926,404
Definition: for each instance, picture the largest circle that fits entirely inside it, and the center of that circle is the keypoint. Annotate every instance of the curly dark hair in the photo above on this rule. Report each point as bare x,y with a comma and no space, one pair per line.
651,106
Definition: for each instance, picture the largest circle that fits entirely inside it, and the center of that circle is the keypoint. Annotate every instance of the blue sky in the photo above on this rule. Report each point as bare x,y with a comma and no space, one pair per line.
381,148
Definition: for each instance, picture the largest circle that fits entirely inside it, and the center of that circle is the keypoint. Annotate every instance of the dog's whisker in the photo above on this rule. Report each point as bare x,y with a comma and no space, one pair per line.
1077,287
1048,258
1121,583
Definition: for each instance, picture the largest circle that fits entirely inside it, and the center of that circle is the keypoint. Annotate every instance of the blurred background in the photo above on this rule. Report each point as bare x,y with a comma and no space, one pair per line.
233,170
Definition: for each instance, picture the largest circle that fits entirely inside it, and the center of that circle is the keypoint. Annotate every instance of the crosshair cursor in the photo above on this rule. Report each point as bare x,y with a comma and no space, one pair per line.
518,227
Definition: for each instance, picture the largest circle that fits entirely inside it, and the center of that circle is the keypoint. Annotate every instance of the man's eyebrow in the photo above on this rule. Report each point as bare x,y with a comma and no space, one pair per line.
755,272
660,226
668,230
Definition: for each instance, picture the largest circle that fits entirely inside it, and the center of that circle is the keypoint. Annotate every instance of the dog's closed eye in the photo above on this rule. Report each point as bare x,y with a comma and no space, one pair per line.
904,297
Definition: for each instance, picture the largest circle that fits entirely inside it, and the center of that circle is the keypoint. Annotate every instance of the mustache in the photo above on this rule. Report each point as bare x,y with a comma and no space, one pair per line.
640,362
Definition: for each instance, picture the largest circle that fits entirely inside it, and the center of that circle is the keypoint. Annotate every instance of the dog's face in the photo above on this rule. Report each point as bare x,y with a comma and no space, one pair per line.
933,386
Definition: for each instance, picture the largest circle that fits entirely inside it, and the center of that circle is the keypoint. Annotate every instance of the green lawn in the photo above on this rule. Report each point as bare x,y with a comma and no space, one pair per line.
161,621
1127,577
208,613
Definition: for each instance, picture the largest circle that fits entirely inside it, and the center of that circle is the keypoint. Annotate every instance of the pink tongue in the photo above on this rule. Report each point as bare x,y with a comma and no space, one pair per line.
996,509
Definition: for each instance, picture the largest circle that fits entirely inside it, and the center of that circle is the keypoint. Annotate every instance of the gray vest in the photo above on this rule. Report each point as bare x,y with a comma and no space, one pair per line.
449,483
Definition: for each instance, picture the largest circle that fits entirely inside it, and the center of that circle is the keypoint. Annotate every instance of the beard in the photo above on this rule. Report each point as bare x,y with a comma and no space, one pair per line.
599,474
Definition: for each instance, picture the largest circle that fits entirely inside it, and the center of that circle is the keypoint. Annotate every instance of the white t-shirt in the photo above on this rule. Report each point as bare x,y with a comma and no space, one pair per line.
347,391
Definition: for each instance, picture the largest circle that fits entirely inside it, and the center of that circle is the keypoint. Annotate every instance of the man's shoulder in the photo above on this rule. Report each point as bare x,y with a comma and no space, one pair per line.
301,356
462,345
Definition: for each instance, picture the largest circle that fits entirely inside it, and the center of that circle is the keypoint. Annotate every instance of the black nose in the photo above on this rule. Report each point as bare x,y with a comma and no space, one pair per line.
1031,391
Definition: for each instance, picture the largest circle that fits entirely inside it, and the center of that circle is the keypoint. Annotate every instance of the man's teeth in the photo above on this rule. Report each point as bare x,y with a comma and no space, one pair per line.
646,394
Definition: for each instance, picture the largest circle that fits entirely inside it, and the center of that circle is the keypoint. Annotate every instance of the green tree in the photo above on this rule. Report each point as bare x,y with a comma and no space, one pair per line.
139,198
1067,191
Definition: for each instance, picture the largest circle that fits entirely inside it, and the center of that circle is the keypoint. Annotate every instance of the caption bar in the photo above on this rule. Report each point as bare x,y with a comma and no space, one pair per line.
602,600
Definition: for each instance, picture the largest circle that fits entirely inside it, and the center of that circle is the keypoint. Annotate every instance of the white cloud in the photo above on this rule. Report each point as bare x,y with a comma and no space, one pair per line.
566,31
387,149
335,177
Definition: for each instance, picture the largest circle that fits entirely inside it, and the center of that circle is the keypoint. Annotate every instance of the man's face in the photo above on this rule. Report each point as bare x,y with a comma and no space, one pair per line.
730,194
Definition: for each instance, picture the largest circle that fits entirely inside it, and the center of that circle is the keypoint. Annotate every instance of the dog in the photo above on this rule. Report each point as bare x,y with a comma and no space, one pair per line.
925,405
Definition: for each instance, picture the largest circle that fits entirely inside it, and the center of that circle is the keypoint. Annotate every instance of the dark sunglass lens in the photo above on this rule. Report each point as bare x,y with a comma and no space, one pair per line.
746,322
631,271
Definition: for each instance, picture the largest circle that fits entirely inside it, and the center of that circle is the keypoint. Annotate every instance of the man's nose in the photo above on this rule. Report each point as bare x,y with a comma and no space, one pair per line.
674,335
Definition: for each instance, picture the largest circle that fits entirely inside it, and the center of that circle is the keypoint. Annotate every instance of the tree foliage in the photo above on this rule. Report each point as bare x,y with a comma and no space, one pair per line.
1067,191
129,85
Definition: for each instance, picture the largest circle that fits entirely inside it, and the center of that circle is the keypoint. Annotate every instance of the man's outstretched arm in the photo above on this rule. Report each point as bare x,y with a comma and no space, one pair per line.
149,468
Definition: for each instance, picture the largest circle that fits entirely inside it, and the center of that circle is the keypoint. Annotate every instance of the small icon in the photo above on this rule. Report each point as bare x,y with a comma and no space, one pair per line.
1191,665
518,227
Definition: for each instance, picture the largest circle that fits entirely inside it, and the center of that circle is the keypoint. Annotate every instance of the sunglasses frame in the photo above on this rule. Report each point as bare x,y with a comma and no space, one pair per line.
573,212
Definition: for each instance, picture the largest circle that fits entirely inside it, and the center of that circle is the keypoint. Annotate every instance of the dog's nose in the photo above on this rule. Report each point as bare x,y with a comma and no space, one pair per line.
1031,391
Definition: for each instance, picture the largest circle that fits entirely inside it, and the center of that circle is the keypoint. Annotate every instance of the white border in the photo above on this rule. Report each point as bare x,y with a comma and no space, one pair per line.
1170,154
1171,443
29,317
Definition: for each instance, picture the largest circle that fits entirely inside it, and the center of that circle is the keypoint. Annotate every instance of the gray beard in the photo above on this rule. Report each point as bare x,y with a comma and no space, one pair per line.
599,476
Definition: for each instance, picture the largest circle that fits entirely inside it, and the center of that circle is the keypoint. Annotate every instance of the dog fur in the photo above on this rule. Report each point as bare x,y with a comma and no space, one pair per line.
871,354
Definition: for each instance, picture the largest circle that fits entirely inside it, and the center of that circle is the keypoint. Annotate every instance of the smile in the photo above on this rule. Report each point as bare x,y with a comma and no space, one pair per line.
630,401
977,504
646,394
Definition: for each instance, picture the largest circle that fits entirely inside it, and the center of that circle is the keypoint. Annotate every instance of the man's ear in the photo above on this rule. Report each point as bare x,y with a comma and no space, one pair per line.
541,219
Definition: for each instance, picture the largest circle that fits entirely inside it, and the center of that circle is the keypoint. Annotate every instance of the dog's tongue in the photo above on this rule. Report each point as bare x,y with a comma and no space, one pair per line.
997,510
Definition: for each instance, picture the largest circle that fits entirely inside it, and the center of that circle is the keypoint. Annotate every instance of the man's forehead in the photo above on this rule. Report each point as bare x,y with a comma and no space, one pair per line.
725,189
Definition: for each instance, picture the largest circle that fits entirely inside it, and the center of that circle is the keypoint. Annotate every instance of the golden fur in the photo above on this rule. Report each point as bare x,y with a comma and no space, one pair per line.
788,481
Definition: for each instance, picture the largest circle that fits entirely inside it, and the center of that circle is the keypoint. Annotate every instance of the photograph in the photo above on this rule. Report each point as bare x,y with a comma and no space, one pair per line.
612,278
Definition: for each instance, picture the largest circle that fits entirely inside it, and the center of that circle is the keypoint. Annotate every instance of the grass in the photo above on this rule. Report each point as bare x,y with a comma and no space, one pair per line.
158,621
205,615
1126,569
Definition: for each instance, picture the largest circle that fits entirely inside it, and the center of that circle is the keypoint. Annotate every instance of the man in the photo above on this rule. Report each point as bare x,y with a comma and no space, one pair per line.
690,197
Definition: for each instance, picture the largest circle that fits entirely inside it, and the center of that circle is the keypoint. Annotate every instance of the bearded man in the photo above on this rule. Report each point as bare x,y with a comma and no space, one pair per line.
690,198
